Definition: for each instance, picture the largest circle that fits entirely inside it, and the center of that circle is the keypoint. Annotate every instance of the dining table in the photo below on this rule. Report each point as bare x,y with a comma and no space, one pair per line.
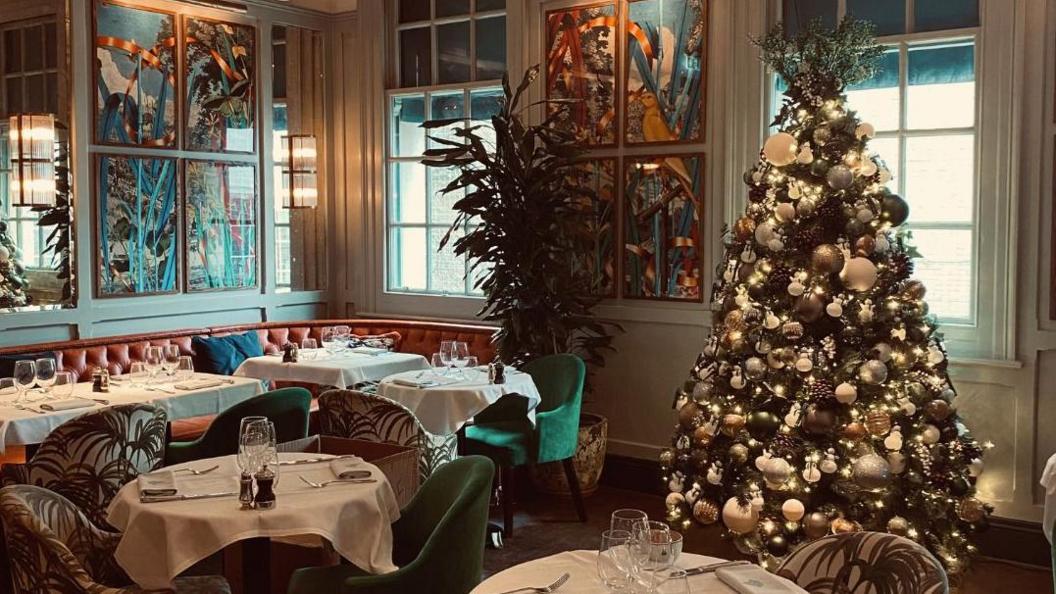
445,400
27,423
341,369
161,539
581,567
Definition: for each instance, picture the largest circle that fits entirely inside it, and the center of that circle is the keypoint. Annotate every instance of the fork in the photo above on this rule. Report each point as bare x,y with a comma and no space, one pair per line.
33,410
316,485
197,472
545,589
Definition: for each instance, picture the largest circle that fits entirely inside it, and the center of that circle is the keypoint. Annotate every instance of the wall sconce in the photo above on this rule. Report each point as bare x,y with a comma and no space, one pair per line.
31,138
300,178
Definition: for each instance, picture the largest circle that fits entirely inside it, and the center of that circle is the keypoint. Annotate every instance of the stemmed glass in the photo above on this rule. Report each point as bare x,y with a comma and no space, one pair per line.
63,385
614,560
184,368
627,520
138,373
170,358
8,387
447,352
344,335
329,338
308,348
460,356
153,360
45,374
25,377
654,551
251,443
472,363
438,364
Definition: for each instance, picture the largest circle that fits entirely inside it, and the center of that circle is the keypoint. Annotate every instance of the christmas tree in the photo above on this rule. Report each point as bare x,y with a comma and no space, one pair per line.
821,402
13,284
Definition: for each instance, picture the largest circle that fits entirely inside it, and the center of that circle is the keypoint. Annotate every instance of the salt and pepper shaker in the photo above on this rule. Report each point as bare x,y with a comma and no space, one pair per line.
265,497
497,372
290,353
100,380
245,490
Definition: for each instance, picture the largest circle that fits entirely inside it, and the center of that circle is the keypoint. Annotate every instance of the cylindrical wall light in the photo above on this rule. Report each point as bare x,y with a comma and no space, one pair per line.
300,177
31,138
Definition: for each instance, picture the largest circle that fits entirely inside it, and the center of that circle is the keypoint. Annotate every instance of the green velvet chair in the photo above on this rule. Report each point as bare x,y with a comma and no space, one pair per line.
438,542
510,440
288,408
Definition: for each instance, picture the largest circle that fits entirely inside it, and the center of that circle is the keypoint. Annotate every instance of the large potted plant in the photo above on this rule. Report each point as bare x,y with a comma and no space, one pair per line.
523,221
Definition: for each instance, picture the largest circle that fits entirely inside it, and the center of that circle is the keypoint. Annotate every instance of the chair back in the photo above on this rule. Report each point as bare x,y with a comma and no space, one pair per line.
88,459
52,546
559,379
865,563
288,408
441,533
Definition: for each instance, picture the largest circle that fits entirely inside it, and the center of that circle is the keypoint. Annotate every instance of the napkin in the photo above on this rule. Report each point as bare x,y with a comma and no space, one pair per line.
414,383
1048,476
752,579
198,384
348,467
366,350
68,404
157,484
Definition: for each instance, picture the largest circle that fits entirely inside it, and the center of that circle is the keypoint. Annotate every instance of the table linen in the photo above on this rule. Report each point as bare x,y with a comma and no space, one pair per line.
161,540
582,568
444,408
341,371
27,427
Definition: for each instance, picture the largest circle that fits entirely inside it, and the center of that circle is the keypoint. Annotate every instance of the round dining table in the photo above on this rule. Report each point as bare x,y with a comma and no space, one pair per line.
581,566
160,540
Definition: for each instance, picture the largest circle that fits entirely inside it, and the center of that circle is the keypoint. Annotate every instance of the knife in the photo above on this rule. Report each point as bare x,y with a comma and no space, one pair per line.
314,460
713,566
158,499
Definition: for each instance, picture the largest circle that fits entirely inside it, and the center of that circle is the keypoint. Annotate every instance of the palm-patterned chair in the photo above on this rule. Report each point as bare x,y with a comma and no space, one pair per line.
358,415
864,563
88,459
53,547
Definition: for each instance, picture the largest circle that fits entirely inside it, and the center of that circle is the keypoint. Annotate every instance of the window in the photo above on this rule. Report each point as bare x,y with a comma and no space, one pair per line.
450,54
923,102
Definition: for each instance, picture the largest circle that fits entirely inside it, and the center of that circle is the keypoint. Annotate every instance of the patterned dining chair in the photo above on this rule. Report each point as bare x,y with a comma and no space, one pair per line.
88,459
864,563
358,415
53,547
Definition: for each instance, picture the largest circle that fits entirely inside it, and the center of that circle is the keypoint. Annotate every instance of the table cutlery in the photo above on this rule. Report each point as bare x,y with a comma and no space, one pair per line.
28,409
316,485
544,589
314,460
710,568
159,389
100,401
161,498
197,472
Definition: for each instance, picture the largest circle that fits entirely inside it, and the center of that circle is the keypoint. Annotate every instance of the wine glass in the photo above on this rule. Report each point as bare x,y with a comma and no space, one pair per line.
308,348
460,355
447,352
329,338
184,368
252,440
45,373
627,519
63,385
25,377
170,358
653,554
472,363
437,363
614,560
344,335
153,359
8,387
138,373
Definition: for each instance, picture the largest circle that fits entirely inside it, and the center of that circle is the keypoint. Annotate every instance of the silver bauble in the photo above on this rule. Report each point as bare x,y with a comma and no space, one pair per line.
839,177
873,372
871,472
755,368
777,471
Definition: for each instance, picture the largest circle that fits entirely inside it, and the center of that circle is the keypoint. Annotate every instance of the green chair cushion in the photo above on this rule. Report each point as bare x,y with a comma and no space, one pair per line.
323,579
288,408
508,443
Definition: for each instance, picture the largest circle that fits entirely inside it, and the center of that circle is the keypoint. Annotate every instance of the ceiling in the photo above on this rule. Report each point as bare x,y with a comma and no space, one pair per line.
321,5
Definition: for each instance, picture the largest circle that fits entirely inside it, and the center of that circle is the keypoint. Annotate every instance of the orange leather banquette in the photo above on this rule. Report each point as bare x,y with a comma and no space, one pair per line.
116,353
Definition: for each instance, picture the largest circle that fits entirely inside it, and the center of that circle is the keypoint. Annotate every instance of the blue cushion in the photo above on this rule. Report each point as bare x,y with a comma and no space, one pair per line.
223,354
7,362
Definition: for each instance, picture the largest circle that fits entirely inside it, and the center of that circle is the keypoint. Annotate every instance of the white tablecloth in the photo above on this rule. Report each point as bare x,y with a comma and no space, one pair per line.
1048,480
445,408
160,540
20,427
583,570
341,371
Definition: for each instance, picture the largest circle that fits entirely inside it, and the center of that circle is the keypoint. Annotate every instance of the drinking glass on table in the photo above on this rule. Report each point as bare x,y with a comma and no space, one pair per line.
614,560
184,368
25,377
170,358
308,348
344,336
138,373
329,338
8,387
153,359
438,364
447,352
653,555
472,363
252,440
63,385
46,373
675,581
627,520
460,355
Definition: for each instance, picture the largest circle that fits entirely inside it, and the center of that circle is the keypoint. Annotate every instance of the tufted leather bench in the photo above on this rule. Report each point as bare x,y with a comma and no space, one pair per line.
116,353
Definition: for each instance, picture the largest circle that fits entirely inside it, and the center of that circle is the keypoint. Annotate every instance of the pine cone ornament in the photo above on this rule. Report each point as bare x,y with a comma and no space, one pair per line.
807,238
830,213
779,278
784,445
900,267
822,389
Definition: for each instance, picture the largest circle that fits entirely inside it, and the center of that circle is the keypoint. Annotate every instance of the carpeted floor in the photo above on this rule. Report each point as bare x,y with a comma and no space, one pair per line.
545,526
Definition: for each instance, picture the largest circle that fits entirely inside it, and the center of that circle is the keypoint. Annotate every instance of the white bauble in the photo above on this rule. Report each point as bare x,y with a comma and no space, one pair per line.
846,393
5,255
883,351
793,510
777,471
865,130
771,322
785,212
930,435
859,274
764,232
868,168
873,372
780,149
739,519
674,500
775,245
834,309
804,364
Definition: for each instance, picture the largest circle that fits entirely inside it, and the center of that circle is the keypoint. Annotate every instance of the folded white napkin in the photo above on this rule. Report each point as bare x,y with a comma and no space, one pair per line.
1048,476
414,383
157,484
366,350
348,467
198,384
752,579
69,404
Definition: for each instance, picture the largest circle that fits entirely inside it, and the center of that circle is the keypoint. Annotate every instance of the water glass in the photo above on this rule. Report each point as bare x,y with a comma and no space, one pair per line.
63,385
8,387
171,358
46,373
675,582
344,336
25,377
252,442
653,555
627,519
329,338
447,352
472,363
138,373
184,368
153,360
308,348
614,560
459,354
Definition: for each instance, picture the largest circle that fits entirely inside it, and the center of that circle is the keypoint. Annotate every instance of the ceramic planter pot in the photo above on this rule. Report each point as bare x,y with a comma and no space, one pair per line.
589,460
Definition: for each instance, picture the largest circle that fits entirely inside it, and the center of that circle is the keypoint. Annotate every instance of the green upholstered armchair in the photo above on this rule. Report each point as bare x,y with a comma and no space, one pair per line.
288,408
511,441
438,542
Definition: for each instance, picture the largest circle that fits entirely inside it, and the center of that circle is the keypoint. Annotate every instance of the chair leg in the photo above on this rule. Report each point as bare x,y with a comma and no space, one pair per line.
507,501
573,486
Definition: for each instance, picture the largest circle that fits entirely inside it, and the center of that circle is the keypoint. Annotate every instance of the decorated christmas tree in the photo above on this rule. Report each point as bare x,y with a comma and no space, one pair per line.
821,402
13,284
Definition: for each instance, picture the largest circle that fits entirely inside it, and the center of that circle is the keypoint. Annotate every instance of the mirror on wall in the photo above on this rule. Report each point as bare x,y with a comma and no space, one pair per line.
298,150
35,215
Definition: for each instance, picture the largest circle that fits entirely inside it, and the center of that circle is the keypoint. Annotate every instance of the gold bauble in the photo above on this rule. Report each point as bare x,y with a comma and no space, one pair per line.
878,423
971,510
732,424
938,409
744,228
898,525
705,511
827,259
702,436
865,245
809,307
844,526
734,320
816,525
914,289
854,431
689,414
667,458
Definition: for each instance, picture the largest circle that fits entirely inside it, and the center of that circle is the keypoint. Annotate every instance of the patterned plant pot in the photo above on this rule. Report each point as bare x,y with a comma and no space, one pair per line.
589,460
